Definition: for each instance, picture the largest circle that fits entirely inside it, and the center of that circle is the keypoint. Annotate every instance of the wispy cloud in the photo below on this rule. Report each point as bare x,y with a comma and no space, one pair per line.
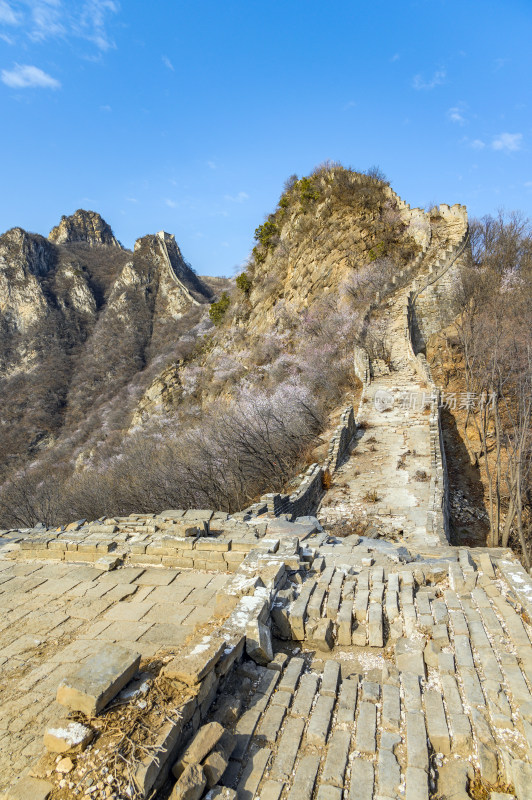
437,79
508,142
239,198
395,57
25,76
168,63
350,104
52,19
456,114
478,144
108,109
499,63
8,16
170,203
211,164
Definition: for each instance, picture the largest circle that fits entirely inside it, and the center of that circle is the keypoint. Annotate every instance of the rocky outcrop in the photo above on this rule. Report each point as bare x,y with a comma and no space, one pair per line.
162,394
84,226
180,284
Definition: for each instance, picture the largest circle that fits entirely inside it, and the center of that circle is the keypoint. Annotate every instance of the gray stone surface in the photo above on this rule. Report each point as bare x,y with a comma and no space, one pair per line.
98,680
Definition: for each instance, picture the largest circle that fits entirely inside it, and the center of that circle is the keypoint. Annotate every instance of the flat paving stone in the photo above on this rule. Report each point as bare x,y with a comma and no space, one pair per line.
99,679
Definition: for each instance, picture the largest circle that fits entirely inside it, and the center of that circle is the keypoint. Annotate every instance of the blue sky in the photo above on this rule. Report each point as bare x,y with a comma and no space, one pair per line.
189,116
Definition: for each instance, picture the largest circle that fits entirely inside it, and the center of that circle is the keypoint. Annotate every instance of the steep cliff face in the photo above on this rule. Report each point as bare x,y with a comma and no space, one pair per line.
324,230
81,317
84,226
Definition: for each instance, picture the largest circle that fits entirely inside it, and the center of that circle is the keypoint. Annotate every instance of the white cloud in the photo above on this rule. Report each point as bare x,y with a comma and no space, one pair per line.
509,142
48,19
7,39
7,15
455,114
168,63
437,79
350,104
478,144
25,76
528,184
106,108
211,164
170,203
93,20
395,57
239,198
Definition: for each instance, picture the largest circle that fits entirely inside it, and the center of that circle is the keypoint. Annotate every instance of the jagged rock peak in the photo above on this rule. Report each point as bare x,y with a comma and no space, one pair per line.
84,226
33,251
165,245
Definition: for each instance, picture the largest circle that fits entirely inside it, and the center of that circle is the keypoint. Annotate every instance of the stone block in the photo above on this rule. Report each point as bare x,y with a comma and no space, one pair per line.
320,635
192,667
271,723
29,789
330,678
336,761
291,675
409,656
252,775
214,767
375,628
320,721
416,784
391,707
287,751
223,793
366,728
328,792
167,740
436,722
259,642
305,696
453,779
99,679
190,784
305,778
389,772
416,741
362,780
68,737
205,740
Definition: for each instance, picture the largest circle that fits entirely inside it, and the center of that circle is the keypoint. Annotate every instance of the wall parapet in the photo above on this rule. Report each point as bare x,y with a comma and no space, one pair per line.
305,499
437,522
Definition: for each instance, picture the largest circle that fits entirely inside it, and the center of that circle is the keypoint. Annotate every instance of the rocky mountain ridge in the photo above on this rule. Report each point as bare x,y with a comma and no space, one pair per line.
79,316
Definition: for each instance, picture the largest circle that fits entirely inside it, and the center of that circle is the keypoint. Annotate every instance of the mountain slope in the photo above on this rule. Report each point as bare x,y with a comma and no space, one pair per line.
79,317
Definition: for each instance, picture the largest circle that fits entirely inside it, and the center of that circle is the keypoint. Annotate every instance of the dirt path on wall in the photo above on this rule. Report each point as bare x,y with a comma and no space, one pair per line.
385,481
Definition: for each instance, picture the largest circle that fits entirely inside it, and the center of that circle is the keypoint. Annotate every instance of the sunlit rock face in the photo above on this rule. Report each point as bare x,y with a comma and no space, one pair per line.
84,226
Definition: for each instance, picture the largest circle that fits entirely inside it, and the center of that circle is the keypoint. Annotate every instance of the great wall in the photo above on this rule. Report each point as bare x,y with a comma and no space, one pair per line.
196,654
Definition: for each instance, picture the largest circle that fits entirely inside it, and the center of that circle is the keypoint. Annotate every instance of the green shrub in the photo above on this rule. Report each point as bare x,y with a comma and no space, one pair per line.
218,309
265,233
377,252
243,282
307,192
